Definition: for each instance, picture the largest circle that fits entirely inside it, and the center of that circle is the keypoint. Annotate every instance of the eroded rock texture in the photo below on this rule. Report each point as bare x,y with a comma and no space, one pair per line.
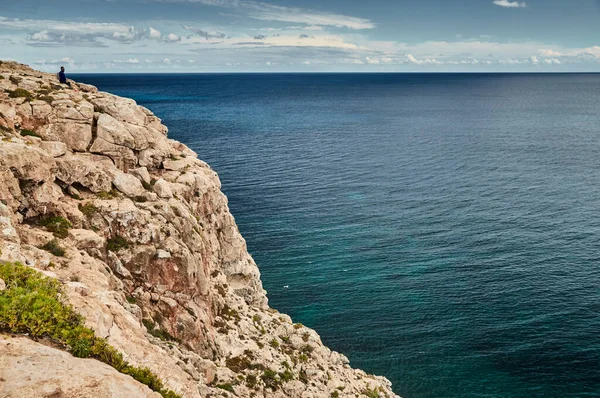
154,259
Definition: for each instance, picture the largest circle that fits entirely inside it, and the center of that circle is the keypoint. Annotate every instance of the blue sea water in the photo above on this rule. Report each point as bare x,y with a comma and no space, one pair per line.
442,230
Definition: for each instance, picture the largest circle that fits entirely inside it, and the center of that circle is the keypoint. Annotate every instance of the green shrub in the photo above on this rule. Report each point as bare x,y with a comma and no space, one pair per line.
286,376
6,129
274,343
47,98
59,226
54,247
108,195
302,376
229,313
251,381
117,243
44,90
271,379
20,92
157,331
31,304
238,364
226,387
335,394
1,77
15,79
88,209
370,393
147,186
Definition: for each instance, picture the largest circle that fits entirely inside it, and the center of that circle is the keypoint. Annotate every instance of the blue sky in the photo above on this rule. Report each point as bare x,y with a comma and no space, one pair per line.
307,35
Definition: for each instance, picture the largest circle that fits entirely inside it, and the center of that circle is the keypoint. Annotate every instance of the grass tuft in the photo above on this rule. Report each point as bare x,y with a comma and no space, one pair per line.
370,393
54,247
117,243
59,226
226,387
88,209
20,92
29,133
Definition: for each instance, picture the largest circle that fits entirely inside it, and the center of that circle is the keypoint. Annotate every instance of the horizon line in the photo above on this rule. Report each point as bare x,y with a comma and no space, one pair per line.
338,72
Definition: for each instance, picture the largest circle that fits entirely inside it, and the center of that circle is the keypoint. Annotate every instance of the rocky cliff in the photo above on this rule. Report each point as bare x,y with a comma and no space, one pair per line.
137,230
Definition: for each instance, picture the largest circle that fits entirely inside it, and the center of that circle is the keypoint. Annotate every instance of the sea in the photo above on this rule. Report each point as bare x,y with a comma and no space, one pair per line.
442,230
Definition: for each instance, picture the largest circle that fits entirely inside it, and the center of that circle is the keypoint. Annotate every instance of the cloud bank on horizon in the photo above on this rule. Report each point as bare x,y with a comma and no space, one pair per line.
245,35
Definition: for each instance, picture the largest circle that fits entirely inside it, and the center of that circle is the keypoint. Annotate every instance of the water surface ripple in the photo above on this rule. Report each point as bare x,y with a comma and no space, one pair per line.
441,230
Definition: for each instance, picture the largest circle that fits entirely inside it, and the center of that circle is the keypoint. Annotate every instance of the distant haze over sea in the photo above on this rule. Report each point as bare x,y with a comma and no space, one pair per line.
442,230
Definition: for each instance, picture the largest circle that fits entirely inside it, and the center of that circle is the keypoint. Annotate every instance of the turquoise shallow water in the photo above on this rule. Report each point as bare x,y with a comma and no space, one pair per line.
441,230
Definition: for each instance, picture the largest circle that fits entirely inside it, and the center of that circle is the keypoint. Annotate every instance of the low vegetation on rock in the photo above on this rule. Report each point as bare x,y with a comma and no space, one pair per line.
31,304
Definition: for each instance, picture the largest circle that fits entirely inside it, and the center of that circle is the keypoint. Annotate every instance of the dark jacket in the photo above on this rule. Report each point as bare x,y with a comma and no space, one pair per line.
61,77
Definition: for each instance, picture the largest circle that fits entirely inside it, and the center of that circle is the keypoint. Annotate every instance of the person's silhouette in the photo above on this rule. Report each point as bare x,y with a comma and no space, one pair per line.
61,75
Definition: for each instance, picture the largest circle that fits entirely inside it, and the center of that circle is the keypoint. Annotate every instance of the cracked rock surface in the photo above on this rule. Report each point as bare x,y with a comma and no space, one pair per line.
153,258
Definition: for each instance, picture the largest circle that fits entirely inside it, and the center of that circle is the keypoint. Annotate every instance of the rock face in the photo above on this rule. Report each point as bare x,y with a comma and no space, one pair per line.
29,369
153,258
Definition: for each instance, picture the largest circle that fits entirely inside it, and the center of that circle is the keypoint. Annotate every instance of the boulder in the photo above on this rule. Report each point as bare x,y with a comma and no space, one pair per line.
40,109
53,148
163,189
26,163
73,169
30,369
128,184
66,109
77,136
122,109
142,174
84,239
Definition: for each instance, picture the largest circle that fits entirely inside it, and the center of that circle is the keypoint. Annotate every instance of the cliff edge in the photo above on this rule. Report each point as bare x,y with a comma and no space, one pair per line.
138,232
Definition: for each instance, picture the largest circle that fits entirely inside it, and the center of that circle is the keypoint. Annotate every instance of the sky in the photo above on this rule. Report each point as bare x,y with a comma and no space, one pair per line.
302,35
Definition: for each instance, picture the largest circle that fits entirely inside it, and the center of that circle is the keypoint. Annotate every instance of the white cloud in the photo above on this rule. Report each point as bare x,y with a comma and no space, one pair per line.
167,61
172,37
510,61
428,61
205,33
510,4
133,61
63,60
57,33
155,34
552,61
549,53
270,12
40,36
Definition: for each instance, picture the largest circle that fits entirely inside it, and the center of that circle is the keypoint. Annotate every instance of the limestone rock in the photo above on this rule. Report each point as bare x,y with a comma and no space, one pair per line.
87,88
53,148
163,189
142,174
26,163
72,169
84,239
128,184
173,258
30,369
